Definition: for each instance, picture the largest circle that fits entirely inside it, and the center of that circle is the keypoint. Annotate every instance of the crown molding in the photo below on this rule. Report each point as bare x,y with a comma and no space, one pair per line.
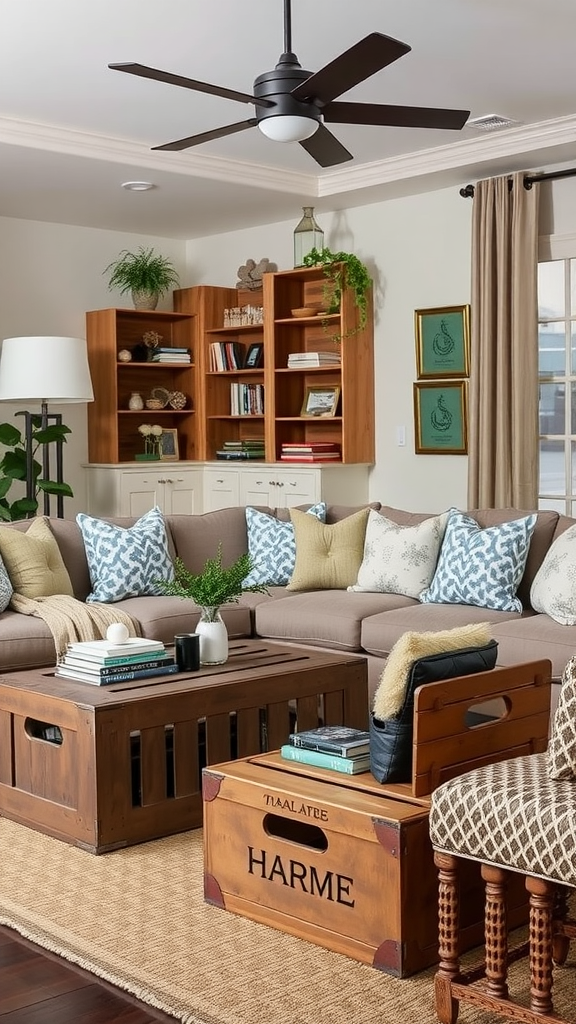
473,153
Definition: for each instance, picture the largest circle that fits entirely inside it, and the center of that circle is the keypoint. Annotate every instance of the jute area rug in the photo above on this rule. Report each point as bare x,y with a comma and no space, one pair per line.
137,918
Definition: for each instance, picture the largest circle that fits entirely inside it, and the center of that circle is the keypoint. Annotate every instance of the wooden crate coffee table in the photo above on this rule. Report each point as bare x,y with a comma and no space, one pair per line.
104,767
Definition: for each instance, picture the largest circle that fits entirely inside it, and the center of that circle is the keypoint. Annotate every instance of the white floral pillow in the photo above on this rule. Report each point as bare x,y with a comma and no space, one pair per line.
553,589
399,559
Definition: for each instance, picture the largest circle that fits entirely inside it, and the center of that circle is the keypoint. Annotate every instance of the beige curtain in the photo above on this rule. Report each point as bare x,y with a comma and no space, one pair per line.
503,395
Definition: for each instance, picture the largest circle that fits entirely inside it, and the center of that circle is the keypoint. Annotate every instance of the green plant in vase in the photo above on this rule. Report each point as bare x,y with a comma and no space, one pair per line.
145,273
343,270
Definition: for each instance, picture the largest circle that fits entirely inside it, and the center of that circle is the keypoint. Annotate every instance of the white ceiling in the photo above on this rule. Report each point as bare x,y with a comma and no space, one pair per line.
71,130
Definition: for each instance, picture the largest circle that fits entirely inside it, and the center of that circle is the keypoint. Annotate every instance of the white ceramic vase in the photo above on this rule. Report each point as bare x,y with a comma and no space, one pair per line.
213,637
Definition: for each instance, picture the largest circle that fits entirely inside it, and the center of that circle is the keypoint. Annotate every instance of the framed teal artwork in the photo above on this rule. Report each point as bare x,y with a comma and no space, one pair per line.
442,342
440,418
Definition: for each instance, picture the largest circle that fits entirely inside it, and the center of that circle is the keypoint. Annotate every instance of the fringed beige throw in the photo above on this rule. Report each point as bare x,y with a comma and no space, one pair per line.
70,620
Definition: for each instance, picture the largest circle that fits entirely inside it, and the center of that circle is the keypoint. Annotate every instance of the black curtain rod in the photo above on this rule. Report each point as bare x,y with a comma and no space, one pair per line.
468,191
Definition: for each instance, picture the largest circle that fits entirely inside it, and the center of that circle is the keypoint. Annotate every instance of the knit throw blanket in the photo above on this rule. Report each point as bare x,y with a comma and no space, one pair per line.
70,620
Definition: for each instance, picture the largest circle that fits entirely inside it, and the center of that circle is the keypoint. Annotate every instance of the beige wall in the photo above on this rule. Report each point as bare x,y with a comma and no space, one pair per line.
418,249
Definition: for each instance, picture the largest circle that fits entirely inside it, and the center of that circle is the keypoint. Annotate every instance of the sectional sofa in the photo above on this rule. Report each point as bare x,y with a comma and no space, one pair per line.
358,622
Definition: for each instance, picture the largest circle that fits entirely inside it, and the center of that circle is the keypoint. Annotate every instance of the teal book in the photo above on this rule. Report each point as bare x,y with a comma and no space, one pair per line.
118,677
317,758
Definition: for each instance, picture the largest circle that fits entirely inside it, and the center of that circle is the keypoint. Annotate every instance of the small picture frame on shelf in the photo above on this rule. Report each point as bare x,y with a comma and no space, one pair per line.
169,445
321,401
254,356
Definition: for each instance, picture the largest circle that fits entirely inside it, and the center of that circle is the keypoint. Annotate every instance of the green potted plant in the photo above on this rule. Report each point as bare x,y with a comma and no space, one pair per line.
145,273
209,589
13,467
343,270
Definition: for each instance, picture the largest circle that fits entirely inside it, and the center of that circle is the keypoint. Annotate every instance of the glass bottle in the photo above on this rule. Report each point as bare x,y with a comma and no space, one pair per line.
307,236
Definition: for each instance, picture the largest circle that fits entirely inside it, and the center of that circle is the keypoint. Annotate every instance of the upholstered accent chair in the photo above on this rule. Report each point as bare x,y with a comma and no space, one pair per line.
518,815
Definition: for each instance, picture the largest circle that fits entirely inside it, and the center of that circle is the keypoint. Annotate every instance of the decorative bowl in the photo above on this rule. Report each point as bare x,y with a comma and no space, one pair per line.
304,311
154,403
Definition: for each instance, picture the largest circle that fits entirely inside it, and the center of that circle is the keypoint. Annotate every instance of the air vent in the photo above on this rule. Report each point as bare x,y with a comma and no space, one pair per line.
491,122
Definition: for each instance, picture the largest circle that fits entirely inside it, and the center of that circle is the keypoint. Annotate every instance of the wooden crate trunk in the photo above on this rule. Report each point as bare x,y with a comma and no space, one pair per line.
334,862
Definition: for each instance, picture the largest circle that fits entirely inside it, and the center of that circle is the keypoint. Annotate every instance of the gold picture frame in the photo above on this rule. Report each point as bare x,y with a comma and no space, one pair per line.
441,417
169,451
321,402
442,342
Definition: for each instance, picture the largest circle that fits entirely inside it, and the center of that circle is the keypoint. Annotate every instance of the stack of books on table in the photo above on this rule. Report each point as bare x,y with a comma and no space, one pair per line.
100,662
336,747
239,450
168,354
310,451
303,360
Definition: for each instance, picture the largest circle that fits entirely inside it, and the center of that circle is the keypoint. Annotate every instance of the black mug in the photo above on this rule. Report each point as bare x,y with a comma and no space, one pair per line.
187,651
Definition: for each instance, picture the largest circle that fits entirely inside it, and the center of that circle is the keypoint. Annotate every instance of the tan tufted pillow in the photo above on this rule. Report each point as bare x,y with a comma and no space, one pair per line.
33,561
327,556
561,752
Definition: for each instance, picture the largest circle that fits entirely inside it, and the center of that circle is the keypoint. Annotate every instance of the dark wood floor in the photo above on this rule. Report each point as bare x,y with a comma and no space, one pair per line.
37,987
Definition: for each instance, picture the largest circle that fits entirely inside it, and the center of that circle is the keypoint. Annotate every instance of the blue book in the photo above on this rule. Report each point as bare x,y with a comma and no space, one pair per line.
103,671
317,758
333,739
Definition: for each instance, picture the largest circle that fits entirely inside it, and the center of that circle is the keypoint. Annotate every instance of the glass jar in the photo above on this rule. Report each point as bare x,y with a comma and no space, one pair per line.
307,236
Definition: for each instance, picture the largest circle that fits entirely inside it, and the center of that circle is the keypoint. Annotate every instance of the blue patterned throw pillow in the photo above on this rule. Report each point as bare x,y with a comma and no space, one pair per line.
6,588
481,567
126,562
272,546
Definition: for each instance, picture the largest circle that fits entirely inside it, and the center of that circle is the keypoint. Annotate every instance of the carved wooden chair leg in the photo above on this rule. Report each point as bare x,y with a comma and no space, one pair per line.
542,898
496,931
563,930
448,937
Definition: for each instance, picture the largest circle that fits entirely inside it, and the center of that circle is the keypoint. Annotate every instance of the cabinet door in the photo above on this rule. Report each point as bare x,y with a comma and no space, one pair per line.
221,489
295,487
182,492
257,486
139,492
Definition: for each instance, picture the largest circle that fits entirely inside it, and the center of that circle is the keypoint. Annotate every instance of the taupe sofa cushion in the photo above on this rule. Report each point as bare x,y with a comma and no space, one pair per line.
380,632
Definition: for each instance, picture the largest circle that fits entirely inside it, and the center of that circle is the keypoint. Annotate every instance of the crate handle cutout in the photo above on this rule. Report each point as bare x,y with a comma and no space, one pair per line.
43,731
299,832
486,712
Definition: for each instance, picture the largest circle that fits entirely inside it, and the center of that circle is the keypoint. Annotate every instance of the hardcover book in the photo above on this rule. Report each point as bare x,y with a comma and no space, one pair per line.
118,677
320,759
133,645
95,668
333,739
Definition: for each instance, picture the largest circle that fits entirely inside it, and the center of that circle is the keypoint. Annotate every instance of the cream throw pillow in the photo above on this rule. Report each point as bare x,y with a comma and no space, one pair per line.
389,695
327,556
400,559
553,589
33,561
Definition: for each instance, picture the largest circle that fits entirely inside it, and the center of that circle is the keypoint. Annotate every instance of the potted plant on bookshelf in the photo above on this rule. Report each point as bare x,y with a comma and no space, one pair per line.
214,586
343,270
145,273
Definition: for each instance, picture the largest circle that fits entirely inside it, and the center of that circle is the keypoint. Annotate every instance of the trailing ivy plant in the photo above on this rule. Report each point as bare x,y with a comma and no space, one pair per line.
13,467
215,585
343,270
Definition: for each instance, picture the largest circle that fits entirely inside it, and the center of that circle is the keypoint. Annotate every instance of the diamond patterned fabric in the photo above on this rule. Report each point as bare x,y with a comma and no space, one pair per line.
511,814
561,751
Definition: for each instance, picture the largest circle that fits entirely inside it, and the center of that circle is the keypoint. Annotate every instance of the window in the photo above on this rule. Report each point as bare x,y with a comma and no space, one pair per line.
557,385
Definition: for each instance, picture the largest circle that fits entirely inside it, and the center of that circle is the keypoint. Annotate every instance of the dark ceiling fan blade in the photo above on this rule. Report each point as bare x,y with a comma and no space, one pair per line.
397,117
189,83
216,133
362,60
325,148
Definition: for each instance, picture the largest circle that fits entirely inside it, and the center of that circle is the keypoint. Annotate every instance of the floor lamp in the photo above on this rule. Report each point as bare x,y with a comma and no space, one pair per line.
44,369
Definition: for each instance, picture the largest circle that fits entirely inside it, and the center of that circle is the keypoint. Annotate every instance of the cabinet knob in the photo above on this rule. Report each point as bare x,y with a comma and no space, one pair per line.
271,483
219,481
169,481
259,482
162,481
279,483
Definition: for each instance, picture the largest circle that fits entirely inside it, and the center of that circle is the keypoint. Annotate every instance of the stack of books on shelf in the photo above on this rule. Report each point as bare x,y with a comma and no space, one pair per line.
336,747
246,399
226,355
303,360
310,451
101,662
247,449
165,354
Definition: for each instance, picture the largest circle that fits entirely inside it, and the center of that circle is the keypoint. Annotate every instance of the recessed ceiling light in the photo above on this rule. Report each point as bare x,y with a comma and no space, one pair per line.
138,186
491,122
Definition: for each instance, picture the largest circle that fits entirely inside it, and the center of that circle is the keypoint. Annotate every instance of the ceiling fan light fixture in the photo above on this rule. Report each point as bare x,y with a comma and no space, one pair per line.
138,186
288,127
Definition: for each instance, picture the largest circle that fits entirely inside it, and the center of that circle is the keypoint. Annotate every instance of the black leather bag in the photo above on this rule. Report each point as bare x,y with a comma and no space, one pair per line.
391,738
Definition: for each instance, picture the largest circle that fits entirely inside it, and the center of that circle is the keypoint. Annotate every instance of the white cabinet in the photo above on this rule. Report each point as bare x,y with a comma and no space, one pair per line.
186,488
119,490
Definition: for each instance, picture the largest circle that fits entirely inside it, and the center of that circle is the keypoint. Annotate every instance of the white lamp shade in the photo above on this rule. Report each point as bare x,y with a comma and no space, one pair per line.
45,370
288,127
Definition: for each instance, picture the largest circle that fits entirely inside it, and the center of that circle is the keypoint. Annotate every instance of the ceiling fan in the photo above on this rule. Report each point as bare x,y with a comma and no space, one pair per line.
293,105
